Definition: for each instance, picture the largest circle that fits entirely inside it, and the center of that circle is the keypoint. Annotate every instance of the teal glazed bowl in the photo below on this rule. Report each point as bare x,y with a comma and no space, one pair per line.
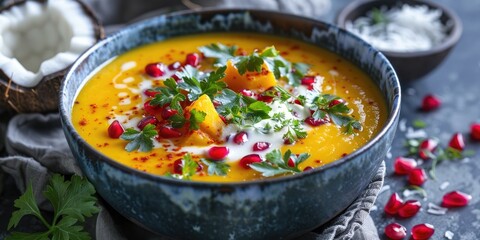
279,208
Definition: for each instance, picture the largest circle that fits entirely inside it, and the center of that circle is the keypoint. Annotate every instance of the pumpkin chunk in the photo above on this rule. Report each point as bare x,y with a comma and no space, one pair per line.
213,124
259,81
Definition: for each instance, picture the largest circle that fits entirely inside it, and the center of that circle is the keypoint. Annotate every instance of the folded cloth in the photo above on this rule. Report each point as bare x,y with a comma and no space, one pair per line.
37,148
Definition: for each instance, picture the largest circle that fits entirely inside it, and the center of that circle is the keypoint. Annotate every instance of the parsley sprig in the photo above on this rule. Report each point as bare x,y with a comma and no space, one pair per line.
340,113
294,127
219,168
241,110
189,168
275,164
141,140
72,201
281,68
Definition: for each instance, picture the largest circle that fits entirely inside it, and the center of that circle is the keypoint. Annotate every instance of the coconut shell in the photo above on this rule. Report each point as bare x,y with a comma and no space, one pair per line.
45,95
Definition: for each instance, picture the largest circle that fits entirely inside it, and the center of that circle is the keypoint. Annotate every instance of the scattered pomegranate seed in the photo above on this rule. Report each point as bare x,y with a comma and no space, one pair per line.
247,93
427,146
456,199
288,141
308,80
457,142
307,168
297,102
151,110
395,231
199,167
291,163
240,138
422,231
167,112
176,78
174,66
430,102
192,59
312,122
260,146
115,130
266,99
249,159
150,93
145,121
403,165
178,166
335,102
224,119
409,209
393,204
475,131
169,132
417,176
218,152
155,69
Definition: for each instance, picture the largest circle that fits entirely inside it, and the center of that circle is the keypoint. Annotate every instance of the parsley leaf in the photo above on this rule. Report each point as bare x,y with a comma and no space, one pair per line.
241,110
139,140
189,168
419,124
220,52
196,117
72,201
219,168
275,164
249,63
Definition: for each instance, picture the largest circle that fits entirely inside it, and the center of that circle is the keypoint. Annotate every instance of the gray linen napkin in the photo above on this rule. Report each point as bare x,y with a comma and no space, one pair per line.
37,148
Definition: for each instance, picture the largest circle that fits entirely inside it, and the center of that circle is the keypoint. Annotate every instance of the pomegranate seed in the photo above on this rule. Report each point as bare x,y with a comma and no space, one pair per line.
314,123
422,231
417,176
247,93
393,204
266,99
475,131
174,66
249,159
308,80
199,167
115,130
395,231
409,209
176,78
291,163
307,168
167,112
240,138
456,199
145,121
155,69
224,119
404,166
260,146
297,102
335,102
427,146
457,142
169,132
288,141
218,153
178,166
151,110
150,93
430,102
192,59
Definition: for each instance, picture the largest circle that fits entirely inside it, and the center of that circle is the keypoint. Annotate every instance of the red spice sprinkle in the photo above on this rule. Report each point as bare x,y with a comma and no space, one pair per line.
83,122
395,231
430,102
456,199
422,231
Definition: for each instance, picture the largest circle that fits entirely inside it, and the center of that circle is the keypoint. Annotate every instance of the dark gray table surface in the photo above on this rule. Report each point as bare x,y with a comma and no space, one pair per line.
456,81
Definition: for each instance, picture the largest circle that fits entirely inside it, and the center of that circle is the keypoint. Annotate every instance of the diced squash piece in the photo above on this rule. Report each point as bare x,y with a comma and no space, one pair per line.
197,138
260,81
213,124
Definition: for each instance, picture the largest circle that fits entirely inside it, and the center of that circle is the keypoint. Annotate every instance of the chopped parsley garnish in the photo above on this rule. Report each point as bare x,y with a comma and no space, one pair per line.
196,117
219,52
189,168
294,129
140,140
219,168
275,164
241,110
72,201
419,124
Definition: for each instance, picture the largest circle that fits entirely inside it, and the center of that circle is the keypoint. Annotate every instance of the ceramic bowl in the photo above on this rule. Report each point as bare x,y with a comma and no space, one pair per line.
264,209
410,65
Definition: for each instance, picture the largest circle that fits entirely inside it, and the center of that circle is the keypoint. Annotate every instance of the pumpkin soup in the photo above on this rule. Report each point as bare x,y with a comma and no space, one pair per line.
228,107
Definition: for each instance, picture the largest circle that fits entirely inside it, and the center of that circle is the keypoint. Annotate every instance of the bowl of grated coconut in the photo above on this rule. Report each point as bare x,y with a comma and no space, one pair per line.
416,36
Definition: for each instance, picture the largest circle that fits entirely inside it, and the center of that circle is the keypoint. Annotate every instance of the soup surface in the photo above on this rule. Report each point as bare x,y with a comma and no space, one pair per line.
228,107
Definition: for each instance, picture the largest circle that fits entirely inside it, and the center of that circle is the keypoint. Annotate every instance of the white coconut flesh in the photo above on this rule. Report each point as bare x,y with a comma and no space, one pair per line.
38,39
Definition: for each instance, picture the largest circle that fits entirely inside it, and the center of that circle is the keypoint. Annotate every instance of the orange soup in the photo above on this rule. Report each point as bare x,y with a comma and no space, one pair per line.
228,107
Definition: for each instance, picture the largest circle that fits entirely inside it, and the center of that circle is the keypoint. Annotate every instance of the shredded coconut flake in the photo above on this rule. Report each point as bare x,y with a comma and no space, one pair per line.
444,185
449,235
436,210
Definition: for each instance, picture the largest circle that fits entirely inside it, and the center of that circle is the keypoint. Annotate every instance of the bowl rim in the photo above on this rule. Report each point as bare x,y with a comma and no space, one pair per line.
392,116
450,40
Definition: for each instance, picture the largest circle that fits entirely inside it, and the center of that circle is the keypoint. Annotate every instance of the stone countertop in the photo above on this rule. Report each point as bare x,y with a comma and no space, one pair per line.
456,82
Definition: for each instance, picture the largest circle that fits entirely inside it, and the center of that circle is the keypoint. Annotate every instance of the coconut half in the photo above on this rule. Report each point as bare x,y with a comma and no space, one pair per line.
39,41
